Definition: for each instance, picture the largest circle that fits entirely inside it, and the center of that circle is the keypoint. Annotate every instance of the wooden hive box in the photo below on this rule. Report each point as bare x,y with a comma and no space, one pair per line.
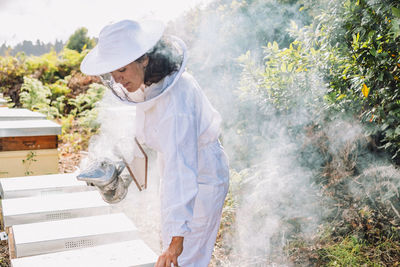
28,147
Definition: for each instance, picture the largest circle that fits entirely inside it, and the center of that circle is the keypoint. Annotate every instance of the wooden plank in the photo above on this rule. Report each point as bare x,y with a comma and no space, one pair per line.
11,243
28,142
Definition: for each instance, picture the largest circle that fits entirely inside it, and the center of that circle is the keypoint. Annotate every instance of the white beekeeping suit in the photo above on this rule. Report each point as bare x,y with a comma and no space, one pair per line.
177,120
182,126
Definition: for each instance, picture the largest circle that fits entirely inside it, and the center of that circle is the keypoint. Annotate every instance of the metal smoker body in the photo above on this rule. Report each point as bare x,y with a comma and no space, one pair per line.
106,176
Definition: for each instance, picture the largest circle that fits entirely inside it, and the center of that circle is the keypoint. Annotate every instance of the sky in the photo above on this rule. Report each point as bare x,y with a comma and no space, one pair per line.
48,20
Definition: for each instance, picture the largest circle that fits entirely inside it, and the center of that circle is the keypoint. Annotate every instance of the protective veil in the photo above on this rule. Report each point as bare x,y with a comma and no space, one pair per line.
177,120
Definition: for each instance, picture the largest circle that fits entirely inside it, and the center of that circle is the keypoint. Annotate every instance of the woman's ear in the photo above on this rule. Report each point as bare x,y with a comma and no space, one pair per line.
145,61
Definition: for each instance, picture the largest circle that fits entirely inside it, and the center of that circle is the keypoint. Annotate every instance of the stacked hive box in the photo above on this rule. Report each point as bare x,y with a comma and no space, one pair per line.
28,143
55,220
91,235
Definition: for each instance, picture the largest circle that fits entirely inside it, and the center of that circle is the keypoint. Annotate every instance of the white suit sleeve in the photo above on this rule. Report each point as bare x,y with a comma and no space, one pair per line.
179,144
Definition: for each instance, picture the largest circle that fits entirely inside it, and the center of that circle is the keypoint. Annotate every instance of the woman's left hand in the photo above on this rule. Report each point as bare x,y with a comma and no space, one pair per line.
171,254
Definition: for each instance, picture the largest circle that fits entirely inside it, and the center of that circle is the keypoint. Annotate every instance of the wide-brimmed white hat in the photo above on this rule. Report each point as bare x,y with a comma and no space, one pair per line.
121,43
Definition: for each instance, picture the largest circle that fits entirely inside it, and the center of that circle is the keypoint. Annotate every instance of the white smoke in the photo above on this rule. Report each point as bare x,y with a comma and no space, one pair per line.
116,141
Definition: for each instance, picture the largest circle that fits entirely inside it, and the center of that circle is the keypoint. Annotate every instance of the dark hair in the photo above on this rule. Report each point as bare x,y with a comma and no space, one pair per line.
164,59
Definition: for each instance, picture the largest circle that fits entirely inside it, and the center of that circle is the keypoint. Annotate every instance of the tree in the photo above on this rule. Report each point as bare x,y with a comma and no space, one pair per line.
79,39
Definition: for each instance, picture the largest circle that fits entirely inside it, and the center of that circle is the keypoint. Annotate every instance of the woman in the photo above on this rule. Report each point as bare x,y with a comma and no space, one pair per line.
175,118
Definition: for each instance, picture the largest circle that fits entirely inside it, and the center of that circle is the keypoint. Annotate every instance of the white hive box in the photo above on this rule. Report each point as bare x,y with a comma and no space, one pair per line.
41,185
53,207
47,237
12,114
28,147
134,253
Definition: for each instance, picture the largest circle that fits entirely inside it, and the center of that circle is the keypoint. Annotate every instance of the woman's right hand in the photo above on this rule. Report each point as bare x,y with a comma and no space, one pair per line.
171,254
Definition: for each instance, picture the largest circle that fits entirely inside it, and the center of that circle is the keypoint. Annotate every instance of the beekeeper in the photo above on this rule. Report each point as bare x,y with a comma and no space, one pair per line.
146,68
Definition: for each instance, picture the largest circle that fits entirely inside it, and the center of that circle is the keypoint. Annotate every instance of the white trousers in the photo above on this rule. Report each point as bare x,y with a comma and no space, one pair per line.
213,182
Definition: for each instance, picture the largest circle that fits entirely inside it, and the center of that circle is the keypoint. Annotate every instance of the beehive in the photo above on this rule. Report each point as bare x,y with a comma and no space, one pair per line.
134,253
28,147
41,185
53,207
53,236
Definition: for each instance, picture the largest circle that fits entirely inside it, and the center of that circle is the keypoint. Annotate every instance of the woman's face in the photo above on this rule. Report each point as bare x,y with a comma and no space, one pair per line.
131,76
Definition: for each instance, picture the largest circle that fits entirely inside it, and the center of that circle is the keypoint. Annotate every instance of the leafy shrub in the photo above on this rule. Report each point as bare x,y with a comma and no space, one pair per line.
12,71
69,61
87,101
34,95
59,88
358,43
43,67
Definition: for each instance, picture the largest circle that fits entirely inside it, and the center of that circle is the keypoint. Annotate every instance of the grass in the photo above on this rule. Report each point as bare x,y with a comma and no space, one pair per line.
353,251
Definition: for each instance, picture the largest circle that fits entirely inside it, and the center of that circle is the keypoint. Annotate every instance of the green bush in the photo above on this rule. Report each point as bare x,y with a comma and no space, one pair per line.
87,101
358,44
35,96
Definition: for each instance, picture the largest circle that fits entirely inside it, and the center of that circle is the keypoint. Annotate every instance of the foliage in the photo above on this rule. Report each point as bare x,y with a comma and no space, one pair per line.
79,40
216,36
34,95
87,101
43,67
59,88
69,61
358,44
354,47
27,162
12,71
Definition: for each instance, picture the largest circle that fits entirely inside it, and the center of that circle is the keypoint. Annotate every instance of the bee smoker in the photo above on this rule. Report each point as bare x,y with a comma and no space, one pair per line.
106,176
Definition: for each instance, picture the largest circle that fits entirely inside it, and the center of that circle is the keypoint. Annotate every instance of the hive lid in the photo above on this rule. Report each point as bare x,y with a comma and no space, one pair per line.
8,114
28,128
